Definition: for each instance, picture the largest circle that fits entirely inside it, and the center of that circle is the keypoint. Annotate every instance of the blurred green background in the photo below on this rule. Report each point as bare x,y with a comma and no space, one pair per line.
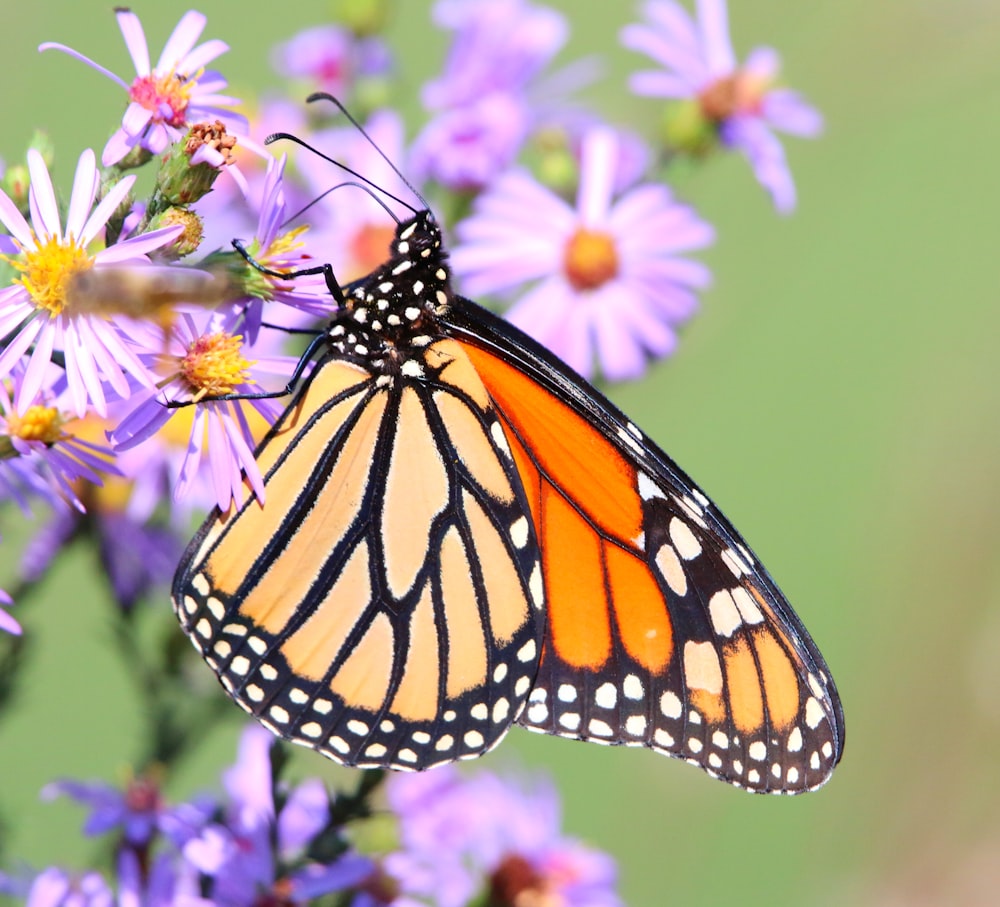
837,396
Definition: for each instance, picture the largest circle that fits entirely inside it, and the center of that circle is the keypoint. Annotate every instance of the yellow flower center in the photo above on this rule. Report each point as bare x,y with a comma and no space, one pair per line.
47,271
214,365
275,256
590,260
39,423
166,96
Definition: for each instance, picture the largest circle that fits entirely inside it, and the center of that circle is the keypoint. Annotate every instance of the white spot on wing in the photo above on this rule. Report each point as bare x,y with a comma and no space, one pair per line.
647,487
688,547
725,616
606,696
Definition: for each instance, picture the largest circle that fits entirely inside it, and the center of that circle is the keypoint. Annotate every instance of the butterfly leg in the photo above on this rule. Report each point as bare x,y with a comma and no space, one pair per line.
326,270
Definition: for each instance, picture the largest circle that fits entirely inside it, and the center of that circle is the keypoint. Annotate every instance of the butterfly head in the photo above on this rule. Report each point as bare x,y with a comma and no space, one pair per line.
393,314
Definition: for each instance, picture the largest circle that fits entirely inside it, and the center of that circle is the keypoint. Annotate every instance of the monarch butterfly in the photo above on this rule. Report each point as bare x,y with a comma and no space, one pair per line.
461,534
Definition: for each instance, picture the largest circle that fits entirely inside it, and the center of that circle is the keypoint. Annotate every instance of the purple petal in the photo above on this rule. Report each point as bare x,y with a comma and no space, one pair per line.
248,782
314,881
713,24
597,175
304,816
85,185
662,85
184,37
788,111
135,40
137,247
136,117
14,221
201,56
51,45
763,63
105,208
210,850
47,221
35,373
18,345
117,147
8,624
766,157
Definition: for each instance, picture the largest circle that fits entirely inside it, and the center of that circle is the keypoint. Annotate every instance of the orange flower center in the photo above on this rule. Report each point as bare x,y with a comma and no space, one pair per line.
516,883
590,260
741,92
368,249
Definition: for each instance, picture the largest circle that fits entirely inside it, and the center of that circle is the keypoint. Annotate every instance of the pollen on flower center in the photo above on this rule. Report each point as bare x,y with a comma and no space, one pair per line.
516,883
166,96
38,423
590,260
741,92
47,270
214,365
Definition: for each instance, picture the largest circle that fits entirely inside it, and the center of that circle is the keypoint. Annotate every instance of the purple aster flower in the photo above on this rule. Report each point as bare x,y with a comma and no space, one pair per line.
497,45
139,810
609,280
332,58
280,250
196,361
461,837
7,623
743,104
481,101
48,443
33,310
168,882
55,887
245,853
199,358
166,99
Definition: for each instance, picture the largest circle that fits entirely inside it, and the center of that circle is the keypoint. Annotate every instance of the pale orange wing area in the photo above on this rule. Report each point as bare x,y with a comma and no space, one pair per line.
383,606
662,631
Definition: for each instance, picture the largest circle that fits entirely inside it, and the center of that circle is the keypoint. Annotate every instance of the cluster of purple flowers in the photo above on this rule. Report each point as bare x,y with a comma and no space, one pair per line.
458,840
591,256
128,324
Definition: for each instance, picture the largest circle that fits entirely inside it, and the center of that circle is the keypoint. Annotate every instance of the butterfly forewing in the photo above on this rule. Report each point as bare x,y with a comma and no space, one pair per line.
384,605
662,629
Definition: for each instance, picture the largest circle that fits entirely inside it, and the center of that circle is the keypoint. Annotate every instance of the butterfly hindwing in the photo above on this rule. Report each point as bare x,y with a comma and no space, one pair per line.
384,605
662,628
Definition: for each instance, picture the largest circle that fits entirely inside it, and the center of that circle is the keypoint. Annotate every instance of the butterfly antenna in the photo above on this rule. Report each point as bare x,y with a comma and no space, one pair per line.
287,136
375,197
324,96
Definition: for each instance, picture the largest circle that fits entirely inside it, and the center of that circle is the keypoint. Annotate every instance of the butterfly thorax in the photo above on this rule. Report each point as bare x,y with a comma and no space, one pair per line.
391,316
